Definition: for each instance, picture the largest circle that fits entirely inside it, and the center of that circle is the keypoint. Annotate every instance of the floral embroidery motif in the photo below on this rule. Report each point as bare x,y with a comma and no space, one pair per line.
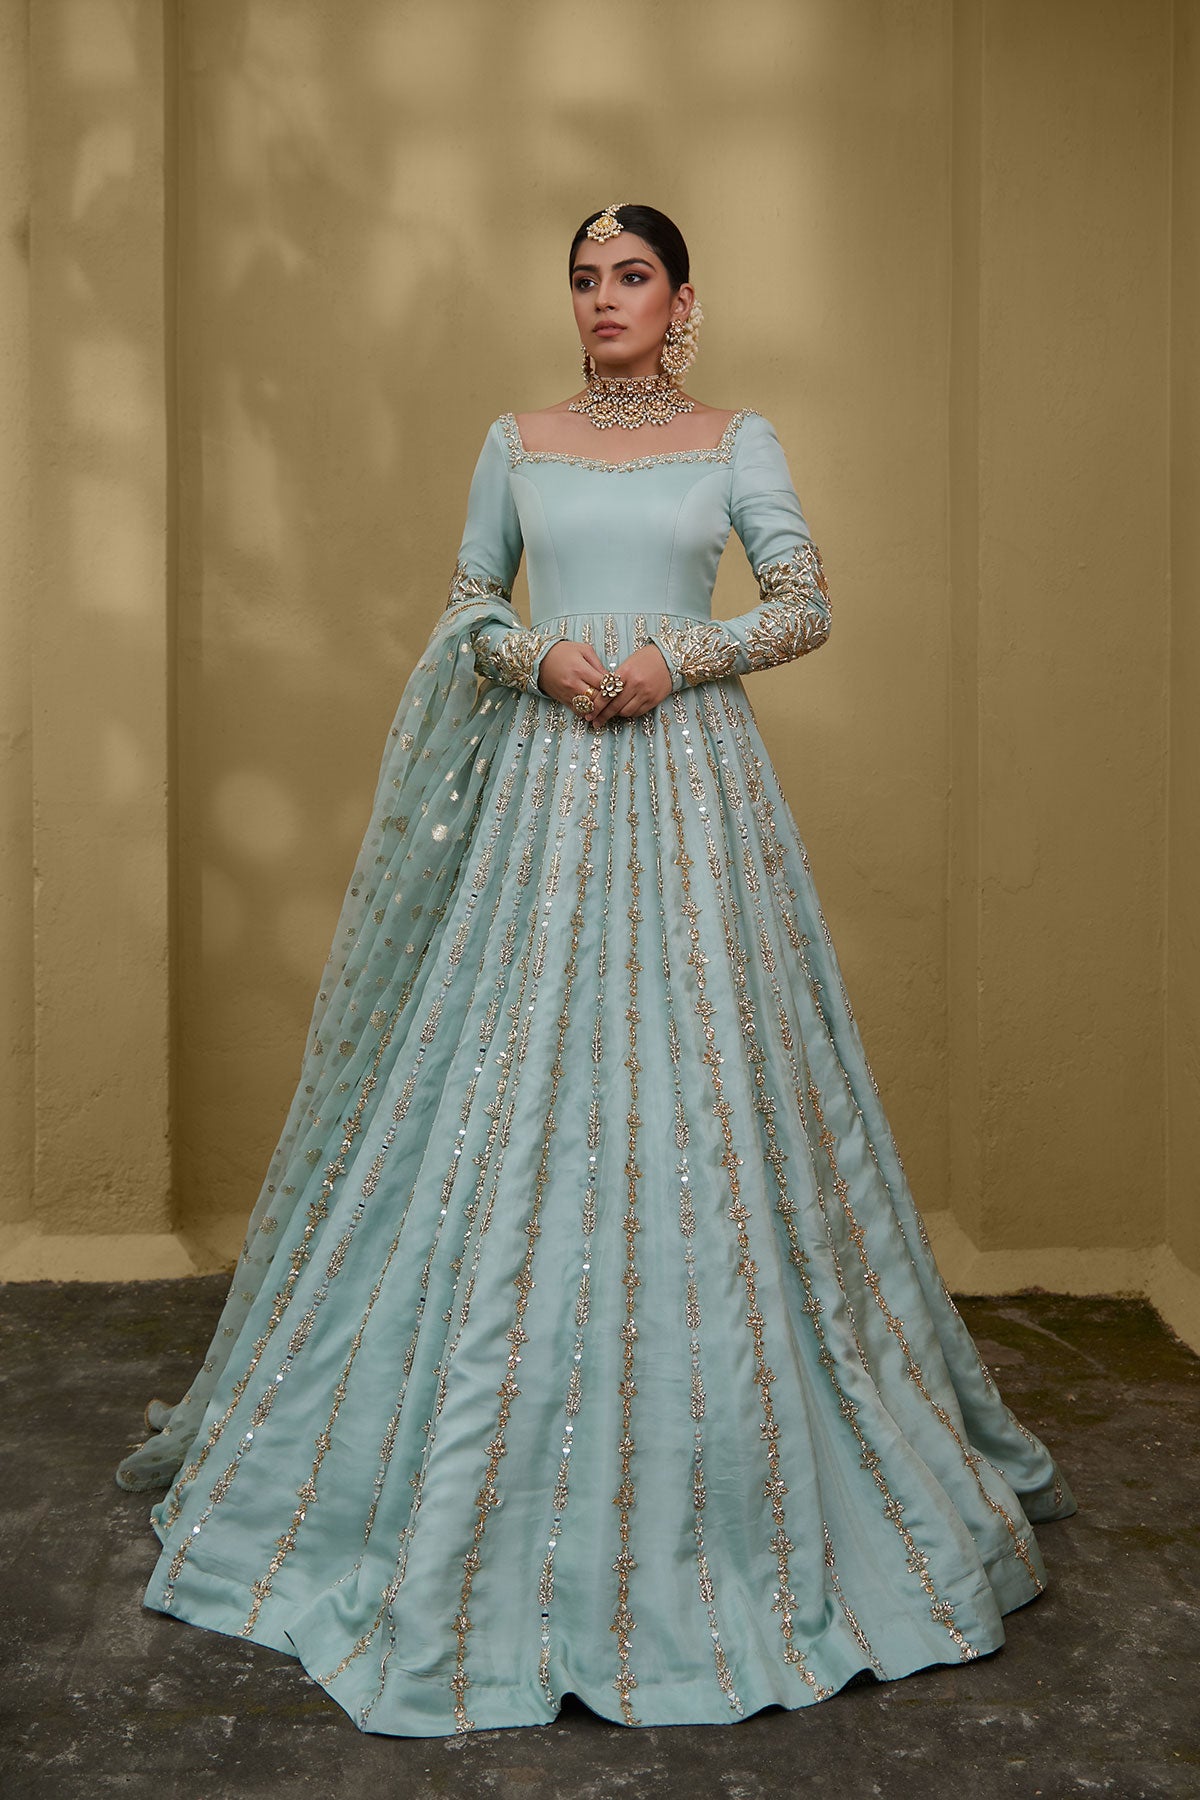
513,658
794,617
721,452
464,586
701,652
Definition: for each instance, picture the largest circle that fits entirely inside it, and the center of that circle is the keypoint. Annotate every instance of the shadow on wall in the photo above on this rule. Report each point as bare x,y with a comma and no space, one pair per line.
370,211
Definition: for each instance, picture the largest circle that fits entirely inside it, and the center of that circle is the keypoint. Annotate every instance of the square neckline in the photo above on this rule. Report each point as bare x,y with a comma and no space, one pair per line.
721,451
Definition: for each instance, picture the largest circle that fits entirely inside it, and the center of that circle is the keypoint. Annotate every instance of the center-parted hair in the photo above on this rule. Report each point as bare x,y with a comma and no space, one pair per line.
662,234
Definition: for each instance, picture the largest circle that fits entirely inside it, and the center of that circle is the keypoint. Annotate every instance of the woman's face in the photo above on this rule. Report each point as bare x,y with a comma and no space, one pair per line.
623,303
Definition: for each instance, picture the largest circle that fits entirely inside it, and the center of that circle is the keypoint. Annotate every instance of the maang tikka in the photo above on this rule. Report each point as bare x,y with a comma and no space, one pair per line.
606,224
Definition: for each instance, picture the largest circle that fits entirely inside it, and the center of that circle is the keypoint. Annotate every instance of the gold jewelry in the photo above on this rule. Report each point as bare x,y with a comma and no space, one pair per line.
607,225
584,703
630,401
611,685
681,344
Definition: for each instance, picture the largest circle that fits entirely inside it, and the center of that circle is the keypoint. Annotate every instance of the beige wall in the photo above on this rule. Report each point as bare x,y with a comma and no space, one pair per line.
289,263
1183,895
16,734
1059,727
363,288
100,634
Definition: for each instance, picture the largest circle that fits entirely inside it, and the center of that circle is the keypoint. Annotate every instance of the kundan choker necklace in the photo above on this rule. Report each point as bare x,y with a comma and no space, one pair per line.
630,401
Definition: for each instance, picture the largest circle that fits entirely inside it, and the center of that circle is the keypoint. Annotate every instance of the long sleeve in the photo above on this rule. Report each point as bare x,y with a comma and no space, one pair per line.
488,559
793,614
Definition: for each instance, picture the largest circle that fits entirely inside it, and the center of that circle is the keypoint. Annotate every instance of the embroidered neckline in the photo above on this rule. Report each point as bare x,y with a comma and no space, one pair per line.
719,452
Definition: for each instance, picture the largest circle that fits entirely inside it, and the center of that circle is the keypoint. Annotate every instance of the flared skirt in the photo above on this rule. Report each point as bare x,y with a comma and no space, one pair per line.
597,1343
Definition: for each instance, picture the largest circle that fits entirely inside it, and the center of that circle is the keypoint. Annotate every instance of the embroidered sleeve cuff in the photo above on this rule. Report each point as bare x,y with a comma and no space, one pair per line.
794,616
702,650
465,586
513,657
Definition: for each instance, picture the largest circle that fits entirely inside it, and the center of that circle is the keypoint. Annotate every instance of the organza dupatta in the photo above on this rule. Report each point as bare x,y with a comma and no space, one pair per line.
431,781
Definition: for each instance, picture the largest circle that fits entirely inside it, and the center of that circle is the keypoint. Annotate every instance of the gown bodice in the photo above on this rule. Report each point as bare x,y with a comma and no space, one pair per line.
648,534
644,537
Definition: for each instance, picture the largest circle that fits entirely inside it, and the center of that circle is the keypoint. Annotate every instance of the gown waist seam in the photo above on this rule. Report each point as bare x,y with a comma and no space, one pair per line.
621,612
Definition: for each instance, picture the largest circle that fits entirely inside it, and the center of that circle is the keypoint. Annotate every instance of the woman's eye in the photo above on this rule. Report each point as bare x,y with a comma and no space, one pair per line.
637,276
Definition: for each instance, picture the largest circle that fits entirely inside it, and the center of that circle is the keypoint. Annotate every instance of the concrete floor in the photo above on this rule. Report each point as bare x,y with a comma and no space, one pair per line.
1095,1693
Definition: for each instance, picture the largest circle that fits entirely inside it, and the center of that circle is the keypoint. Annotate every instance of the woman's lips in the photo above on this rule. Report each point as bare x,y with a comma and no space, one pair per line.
607,330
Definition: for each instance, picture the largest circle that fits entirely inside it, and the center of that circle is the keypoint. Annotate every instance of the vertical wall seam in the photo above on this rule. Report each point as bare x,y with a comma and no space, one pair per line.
16,763
1167,1060
171,89
963,845
948,526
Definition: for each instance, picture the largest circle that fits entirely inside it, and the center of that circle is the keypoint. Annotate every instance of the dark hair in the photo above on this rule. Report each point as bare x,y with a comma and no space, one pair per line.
662,234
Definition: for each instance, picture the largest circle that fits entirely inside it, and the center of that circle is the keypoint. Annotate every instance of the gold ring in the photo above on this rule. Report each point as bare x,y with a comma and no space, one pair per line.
611,685
583,703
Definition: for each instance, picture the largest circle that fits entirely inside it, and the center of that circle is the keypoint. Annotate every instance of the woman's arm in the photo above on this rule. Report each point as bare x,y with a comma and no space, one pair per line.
793,614
488,559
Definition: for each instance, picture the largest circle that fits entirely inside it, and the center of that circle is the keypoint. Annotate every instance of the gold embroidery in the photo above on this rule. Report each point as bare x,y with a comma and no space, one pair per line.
623,1621
794,617
513,659
487,1496
766,1102
765,813
571,1404
497,1135
464,586
721,452
774,1488
940,1611
317,1213
299,1255
510,658
692,1315
895,1325
704,651
860,1636
308,1493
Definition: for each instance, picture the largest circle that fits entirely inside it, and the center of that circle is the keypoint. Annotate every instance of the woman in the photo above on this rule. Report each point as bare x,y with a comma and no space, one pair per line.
586,1336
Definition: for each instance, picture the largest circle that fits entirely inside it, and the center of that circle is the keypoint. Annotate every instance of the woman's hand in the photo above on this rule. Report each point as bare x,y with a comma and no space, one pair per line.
568,668
647,683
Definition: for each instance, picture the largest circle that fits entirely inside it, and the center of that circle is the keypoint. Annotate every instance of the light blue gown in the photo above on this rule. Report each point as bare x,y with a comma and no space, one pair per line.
586,1336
